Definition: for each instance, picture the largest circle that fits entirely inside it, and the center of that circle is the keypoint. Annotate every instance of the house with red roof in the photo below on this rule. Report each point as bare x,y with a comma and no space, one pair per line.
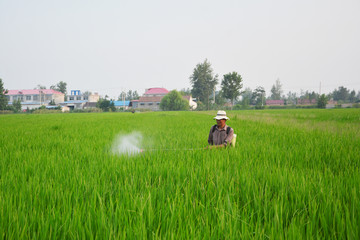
34,98
152,98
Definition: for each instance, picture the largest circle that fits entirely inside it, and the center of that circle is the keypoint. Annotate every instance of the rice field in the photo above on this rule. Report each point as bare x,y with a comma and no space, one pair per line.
293,174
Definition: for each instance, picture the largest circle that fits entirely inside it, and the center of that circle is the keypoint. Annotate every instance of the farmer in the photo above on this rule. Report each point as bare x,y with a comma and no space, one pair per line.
220,134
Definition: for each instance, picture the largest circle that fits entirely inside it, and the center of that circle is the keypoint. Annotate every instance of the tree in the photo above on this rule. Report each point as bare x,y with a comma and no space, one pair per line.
3,99
39,86
219,98
276,90
352,97
291,98
129,95
173,101
60,86
121,96
103,104
86,93
231,85
17,105
322,101
203,82
258,97
135,95
246,96
185,92
341,94
112,106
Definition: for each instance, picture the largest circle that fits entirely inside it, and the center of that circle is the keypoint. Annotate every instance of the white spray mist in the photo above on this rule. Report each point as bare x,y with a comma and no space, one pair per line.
129,144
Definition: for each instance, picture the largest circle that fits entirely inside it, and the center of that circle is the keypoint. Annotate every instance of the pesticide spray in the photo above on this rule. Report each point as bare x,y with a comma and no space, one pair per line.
130,144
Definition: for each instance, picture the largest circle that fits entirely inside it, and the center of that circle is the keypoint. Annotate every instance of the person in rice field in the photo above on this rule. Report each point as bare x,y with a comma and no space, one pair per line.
220,135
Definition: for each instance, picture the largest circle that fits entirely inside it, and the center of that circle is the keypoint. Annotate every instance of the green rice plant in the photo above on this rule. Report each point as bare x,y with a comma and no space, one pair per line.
293,174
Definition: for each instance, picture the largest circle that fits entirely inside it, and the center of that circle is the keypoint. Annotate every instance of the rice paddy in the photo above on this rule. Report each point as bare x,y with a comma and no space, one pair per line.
293,174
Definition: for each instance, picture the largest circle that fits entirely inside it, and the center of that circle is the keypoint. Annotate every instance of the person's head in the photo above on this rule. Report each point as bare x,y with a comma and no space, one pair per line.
221,118
221,122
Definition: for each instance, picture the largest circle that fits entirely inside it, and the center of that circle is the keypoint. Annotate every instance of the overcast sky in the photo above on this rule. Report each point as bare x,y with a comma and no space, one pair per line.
110,46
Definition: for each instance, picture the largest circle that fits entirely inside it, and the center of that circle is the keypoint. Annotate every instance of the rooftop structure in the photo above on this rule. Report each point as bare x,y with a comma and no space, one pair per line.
34,98
156,92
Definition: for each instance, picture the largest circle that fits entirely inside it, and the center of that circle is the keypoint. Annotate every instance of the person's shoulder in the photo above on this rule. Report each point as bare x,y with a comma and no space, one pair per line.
231,129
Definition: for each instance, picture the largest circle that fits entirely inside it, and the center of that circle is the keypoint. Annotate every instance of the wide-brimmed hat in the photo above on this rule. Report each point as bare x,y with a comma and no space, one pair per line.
221,115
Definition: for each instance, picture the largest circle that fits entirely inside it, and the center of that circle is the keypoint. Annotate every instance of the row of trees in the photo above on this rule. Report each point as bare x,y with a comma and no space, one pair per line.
203,82
130,95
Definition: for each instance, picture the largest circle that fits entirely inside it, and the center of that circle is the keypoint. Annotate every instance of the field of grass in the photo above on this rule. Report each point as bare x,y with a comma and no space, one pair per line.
293,174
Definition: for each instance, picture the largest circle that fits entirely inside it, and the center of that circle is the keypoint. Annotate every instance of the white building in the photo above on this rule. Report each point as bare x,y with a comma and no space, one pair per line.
34,98
77,100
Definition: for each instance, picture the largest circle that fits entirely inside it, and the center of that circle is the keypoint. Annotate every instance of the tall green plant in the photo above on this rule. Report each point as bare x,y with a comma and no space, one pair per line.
203,82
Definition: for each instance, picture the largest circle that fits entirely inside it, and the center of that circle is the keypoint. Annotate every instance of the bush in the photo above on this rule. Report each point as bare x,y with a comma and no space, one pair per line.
45,111
6,112
356,105
88,110
173,101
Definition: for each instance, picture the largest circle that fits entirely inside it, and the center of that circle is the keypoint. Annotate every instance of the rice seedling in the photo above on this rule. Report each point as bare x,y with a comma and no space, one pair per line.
293,174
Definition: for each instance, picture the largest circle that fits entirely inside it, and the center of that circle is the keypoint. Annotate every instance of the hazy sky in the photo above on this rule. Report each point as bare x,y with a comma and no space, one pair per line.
111,46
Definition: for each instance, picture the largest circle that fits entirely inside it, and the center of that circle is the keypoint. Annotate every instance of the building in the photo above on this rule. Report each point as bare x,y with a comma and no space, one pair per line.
151,99
134,103
306,101
275,102
77,100
192,103
121,104
35,98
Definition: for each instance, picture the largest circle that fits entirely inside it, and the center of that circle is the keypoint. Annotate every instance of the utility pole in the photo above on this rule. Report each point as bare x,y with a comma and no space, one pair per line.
123,98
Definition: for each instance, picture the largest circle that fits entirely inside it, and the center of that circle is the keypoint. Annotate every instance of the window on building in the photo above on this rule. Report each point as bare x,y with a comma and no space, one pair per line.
21,97
157,103
142,104
47,97
8,98
35,97
150,103
86,97
28,97
71,98
78,97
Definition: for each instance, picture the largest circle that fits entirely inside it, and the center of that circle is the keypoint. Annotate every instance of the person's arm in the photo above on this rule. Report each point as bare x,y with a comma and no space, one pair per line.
210,138
229,137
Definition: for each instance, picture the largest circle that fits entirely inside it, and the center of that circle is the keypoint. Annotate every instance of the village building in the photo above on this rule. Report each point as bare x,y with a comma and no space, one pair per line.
34,98
192,103
152,98
77,100
306,101
274,102
121,104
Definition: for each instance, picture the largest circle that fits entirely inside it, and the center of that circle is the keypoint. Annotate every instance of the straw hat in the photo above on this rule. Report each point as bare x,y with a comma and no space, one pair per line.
221,115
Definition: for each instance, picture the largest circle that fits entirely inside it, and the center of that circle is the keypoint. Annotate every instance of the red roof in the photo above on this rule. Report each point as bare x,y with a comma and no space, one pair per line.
154,91
33,91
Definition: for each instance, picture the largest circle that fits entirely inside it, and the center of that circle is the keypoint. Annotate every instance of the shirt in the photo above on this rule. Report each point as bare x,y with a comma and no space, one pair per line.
219,136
